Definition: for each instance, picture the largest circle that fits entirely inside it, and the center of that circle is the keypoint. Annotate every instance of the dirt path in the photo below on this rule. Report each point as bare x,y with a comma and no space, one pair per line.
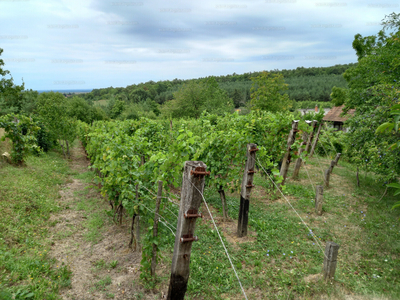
85,239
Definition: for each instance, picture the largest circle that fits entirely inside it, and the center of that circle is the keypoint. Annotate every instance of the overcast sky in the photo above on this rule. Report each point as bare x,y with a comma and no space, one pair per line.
77,44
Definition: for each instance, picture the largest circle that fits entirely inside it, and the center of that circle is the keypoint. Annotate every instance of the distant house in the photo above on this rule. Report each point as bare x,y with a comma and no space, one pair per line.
334,117
304,111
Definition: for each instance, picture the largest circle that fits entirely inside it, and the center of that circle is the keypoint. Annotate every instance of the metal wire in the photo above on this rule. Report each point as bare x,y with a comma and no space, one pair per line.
311,232
223,244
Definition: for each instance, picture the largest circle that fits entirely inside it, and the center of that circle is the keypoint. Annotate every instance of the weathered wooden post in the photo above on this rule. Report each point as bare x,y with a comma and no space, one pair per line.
191,198
247,185
331,166
155,228
137,223
314,144
287,157
327,176
138,246
319,199
311,136
330,260
337,158
299,160
223,200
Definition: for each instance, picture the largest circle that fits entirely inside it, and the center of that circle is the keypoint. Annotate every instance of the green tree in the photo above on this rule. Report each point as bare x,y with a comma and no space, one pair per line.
10,93
21,131
237,98
193,98
267,93
338,96
373,90
216,100
188,101
81,110
117,109
53,111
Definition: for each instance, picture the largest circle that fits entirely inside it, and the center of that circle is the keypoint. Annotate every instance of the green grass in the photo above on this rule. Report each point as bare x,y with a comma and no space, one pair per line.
27,198
95,220
102,284
280,254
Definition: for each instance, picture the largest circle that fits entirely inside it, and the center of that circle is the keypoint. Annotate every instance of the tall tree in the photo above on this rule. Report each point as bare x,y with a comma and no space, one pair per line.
267,93
373,90
10,94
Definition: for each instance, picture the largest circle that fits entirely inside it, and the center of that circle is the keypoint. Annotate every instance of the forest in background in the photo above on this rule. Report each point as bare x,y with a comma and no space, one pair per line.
305,84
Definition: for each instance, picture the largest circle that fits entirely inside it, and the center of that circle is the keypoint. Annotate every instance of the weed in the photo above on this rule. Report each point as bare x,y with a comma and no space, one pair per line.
113,264
103,283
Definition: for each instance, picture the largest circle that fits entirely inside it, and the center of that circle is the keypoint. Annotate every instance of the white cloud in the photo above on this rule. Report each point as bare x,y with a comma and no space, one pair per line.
92,44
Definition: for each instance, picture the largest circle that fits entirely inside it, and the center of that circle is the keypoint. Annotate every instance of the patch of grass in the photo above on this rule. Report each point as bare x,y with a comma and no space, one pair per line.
27,198
102,284
113,264
100,264
86,176
93,225
280,255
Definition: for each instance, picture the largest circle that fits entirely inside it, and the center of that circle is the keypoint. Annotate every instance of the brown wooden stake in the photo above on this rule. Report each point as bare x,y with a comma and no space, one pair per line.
311,136
319,199
331,166
68,154
155,228
223,200
330,260
299,159
337,158
358,178
314,144
191,198
137,223
247,185
287,157
327,176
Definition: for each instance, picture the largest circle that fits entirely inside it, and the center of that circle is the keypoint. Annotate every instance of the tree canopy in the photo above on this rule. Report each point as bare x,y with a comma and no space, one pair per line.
373,90
267,93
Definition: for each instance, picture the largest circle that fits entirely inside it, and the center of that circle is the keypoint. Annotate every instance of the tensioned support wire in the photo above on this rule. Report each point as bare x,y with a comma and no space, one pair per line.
310,231
223,244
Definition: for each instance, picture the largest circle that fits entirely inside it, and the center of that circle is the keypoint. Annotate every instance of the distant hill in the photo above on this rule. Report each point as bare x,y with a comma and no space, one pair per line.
305,84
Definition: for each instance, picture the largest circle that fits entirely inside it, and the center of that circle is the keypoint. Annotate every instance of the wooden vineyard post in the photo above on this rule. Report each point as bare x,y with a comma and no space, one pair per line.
191,198
319,199
314,144
337,158
311,136
299,160
247,185
137,223
223,200
287,157
331,166
137,217
330,260
155,228
327,176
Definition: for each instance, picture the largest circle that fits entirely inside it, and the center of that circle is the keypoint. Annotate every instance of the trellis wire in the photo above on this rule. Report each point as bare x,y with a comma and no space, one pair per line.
159,217
223,244
163,198
312,233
